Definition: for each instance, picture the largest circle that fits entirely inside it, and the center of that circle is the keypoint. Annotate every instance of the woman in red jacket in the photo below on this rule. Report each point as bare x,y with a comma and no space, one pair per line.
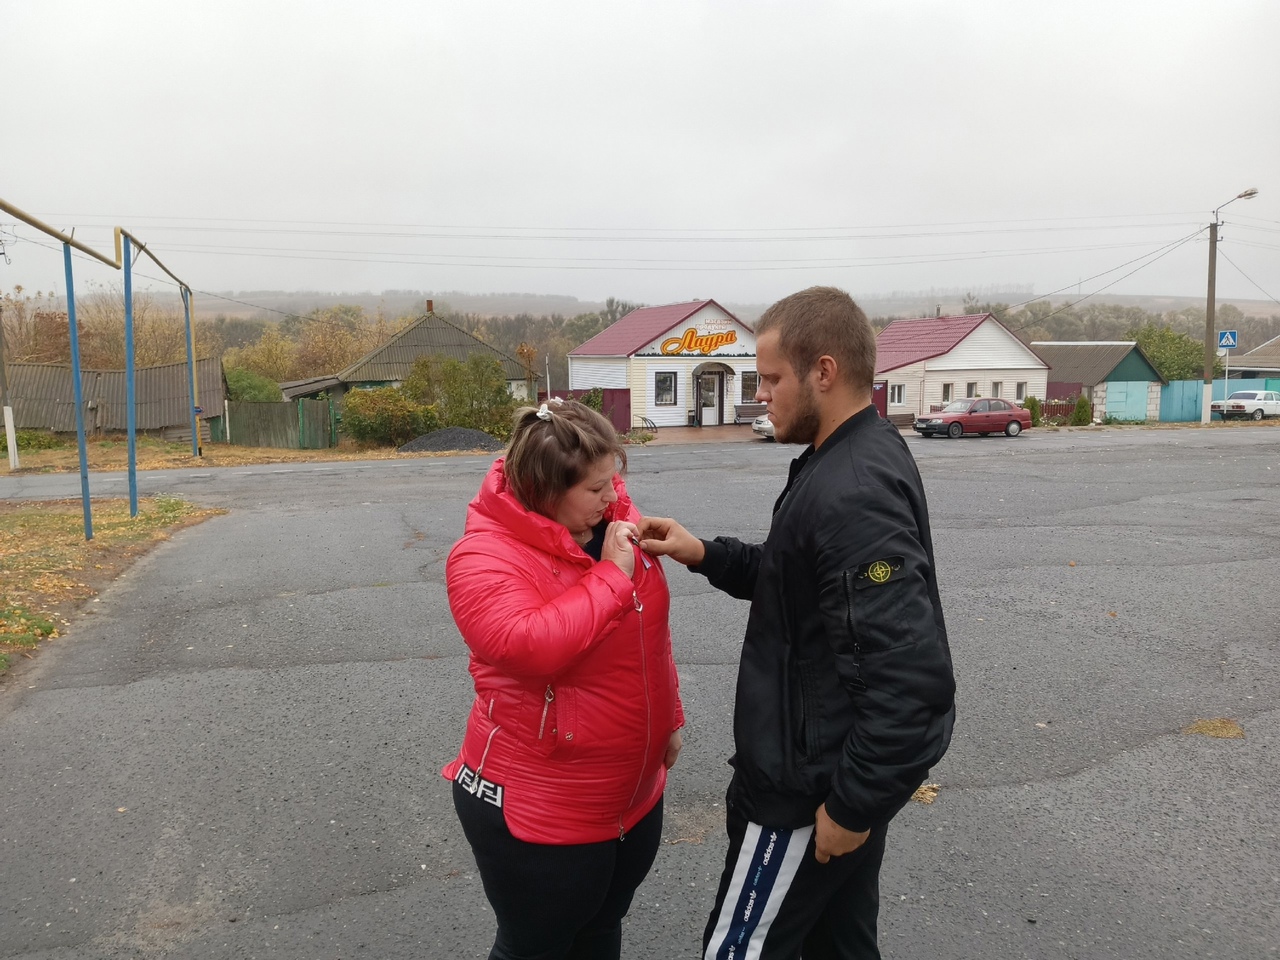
576,720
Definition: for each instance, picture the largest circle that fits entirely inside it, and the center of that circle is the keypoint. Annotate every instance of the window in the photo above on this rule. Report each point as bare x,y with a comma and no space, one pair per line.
664,389
999,406
996,387
980,407
1021,391
895,393
750,380
971,389
946,392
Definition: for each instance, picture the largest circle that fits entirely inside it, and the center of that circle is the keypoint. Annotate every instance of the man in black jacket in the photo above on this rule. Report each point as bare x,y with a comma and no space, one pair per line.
845,693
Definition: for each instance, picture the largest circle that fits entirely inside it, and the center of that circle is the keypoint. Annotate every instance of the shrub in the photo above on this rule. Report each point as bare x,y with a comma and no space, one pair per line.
31,440
244,384
1032,406
1082,415
386,416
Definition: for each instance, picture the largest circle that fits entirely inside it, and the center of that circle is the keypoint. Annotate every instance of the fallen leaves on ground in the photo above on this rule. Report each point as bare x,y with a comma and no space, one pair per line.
48,568
926,793
1221,728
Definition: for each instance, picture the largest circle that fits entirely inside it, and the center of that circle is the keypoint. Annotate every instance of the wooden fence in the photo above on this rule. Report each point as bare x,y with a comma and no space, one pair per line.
296,425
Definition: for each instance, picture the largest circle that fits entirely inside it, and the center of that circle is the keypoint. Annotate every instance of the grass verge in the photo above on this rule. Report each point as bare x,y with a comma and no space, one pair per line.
48,569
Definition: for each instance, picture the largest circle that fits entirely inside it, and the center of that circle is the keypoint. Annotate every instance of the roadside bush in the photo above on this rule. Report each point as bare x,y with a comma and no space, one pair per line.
1032,406
244,384
1082,415
386,417
31,440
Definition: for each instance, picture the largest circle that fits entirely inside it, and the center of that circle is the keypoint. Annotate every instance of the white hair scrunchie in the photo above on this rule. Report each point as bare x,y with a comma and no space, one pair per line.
544,413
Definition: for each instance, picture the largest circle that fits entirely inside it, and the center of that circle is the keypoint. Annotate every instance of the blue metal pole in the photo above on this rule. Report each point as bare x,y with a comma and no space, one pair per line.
191,376
131,416
78,391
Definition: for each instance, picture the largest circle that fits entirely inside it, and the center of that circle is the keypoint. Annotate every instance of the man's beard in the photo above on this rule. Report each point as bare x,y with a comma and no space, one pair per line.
803,427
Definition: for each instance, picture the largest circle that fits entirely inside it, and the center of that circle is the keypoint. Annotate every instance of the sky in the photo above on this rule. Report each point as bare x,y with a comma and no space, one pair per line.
652,151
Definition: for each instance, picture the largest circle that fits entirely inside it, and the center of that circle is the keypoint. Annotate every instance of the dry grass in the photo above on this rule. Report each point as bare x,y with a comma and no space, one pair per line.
48,569
926,793
159,455
1221,728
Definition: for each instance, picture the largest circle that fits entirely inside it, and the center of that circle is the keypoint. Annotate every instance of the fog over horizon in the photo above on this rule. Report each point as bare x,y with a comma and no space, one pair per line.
654,153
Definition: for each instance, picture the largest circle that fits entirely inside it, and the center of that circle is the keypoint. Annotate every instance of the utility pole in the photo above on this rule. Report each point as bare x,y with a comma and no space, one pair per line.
10,434
1210,306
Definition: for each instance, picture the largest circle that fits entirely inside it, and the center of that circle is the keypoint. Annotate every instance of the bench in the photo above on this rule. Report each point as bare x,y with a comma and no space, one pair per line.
746,412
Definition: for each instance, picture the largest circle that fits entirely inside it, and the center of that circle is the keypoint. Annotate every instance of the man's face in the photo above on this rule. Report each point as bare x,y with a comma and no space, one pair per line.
791,403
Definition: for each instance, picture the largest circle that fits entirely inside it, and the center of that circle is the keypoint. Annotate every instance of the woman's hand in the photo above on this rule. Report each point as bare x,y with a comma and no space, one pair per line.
619,546
673,750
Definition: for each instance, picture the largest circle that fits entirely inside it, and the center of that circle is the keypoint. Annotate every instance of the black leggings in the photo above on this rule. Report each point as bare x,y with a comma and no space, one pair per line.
556,902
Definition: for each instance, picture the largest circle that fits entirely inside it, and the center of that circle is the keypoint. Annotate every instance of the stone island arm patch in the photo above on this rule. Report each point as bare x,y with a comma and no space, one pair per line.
879,572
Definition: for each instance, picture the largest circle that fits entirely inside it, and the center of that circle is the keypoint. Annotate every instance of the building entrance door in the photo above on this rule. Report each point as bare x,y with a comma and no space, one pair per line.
711,389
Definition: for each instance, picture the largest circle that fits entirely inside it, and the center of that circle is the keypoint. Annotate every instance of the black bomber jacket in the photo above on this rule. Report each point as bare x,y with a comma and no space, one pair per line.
845,690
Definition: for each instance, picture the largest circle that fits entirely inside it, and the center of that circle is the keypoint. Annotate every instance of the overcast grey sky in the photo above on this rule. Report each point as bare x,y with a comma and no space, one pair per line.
654,151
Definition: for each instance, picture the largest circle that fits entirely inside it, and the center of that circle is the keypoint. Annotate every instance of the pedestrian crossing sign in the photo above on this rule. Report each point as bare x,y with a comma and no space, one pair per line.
1227,339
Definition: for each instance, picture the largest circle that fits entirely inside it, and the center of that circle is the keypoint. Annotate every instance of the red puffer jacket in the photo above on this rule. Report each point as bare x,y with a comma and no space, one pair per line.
576,690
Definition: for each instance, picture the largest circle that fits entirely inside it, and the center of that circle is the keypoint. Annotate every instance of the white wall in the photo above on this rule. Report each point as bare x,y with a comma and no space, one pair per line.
642,384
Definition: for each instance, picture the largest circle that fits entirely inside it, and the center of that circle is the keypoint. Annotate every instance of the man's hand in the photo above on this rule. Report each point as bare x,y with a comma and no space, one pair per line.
673,750
663,537
832,840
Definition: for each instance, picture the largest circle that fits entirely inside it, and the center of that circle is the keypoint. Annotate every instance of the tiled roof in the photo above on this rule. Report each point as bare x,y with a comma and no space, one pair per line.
639,327
905,342
427,336
1085,363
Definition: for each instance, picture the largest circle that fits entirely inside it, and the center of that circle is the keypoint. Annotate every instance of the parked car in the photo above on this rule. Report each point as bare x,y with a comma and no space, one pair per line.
980,415
762,426
1254,404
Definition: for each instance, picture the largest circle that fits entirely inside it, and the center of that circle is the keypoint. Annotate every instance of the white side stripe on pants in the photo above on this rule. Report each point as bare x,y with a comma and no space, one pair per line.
766,865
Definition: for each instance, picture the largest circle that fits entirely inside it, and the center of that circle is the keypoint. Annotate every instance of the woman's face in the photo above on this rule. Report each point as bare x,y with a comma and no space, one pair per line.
583,504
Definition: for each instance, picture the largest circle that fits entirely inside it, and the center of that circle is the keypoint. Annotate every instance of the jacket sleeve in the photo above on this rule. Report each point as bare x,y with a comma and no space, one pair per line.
506,620
890,651
731,565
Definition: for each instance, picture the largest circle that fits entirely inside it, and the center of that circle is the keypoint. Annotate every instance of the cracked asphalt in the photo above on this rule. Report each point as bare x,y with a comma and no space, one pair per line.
235,752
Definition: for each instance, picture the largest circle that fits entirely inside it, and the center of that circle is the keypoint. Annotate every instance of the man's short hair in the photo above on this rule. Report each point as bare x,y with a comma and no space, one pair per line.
824,320
552,447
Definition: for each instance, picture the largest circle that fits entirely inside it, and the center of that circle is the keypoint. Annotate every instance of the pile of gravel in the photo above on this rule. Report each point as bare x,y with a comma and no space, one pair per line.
453,438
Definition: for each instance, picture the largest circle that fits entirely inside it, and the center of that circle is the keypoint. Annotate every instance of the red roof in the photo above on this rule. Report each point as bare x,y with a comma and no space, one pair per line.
905,342
640,327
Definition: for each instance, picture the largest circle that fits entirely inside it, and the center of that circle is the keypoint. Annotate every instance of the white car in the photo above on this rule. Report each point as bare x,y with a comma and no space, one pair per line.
762,426
1254,404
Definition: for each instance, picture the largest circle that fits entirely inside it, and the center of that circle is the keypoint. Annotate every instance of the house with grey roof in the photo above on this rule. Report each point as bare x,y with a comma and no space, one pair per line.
1115,375
390,364
1259,363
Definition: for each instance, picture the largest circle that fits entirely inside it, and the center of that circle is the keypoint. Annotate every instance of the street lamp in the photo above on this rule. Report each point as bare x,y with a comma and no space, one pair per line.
1210,304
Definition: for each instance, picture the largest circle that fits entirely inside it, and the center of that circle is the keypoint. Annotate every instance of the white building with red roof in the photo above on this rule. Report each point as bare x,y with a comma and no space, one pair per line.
934,360
684,363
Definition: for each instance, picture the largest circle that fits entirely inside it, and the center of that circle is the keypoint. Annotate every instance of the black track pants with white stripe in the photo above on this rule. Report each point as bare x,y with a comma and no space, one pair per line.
776,902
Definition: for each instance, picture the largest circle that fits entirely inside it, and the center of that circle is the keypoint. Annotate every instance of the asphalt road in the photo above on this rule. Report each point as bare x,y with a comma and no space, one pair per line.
235,753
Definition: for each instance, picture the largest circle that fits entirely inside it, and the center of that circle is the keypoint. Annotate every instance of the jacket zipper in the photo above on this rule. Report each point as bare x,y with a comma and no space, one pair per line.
475,782
547,700
648,714
853,634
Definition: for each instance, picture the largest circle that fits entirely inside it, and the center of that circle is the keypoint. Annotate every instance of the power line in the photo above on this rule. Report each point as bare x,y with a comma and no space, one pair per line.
1245,275
1067,306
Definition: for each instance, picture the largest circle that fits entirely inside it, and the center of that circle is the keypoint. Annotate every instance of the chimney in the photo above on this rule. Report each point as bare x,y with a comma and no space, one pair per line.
430,306
937,314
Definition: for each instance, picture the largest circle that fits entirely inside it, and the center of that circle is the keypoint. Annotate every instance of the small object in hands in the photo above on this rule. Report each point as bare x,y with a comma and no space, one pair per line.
644,557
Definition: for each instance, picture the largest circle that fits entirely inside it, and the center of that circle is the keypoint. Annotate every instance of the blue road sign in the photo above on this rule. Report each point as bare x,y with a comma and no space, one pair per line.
1227,339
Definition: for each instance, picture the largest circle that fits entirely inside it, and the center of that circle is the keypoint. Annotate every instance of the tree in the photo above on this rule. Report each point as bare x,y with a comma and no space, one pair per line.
471,394
273,356
244,384
1175,356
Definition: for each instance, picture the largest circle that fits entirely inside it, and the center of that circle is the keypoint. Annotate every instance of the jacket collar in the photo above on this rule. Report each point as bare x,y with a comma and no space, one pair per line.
496,509
867,415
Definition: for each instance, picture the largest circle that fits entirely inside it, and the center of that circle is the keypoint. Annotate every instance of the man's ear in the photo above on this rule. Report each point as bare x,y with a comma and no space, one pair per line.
827,371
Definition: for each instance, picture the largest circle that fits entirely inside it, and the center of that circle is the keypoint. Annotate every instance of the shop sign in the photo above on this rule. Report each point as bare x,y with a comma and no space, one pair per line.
694,342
